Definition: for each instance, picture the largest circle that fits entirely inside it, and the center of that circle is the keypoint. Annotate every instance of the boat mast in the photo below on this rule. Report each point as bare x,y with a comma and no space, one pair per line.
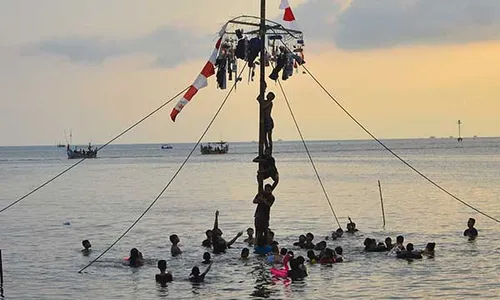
262,135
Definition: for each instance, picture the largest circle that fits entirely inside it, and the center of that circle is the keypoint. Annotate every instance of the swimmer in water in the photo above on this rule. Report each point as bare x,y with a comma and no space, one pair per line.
219,244
86,245
309,241
320,246
312,257
250,240
195,275
245,253
388,243
164,276
302,241
175,250
351,226
409,253
275,257
429,250
399,243
135,259
337,233
207,259
208,242
339,251
471,232
270,237
296,272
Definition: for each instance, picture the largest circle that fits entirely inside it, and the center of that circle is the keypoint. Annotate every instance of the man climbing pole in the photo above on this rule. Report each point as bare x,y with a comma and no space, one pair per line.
262,215
267,105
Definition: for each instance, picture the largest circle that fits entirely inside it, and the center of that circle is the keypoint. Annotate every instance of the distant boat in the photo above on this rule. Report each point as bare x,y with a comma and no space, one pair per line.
167,147
215,148
60,145
81,153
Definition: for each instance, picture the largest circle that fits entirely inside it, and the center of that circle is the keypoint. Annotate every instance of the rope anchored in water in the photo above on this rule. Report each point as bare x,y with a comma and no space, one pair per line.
309,154
171,179
98,149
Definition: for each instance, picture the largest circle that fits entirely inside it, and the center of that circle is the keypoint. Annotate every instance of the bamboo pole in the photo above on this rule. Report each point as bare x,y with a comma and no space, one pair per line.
381,202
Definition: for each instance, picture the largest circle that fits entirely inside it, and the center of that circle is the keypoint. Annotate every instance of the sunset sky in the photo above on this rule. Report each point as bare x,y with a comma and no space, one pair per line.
404,68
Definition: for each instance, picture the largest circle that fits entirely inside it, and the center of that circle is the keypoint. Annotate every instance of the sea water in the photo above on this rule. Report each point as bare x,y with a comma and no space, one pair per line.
101,198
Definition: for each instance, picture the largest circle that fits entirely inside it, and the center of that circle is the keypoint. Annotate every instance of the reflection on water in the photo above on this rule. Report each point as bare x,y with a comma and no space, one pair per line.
126,179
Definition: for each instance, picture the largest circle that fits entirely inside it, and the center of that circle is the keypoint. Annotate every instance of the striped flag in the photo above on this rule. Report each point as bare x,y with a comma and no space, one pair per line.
200,81
288,16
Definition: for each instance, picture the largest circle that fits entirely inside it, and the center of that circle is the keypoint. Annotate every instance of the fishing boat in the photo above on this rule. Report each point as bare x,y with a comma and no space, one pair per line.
214,148
81,153
60,145
165,147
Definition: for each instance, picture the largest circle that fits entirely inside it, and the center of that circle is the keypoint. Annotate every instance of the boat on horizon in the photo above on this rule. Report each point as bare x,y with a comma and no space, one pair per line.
81,153
167,146
214,148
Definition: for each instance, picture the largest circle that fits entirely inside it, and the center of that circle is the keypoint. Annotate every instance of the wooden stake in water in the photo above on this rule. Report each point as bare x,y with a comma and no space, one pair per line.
381,201
1,275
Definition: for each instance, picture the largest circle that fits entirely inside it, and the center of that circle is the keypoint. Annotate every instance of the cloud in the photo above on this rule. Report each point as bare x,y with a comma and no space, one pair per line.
367,24
171,46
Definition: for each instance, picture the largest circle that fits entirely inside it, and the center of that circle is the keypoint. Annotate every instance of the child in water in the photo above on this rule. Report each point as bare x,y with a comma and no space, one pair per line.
164,276
207,259
195,275
250,239
135,259
86,245
471,232
175,250
244,254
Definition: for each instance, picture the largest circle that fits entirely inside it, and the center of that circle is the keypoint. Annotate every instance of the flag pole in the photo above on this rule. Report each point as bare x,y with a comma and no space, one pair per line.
262,134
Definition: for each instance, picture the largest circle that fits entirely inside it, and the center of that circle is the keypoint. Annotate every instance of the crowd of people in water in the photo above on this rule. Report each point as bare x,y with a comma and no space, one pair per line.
282,261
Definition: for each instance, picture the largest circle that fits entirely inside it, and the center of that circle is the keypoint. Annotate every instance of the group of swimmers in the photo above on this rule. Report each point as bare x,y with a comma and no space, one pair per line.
293,267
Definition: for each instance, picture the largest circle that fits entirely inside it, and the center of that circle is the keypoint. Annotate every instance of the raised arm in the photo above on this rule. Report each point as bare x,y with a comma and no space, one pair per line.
208,269
235,238
216,221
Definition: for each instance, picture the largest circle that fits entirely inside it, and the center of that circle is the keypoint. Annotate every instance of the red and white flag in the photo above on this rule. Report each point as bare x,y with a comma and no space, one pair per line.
201,81
288,15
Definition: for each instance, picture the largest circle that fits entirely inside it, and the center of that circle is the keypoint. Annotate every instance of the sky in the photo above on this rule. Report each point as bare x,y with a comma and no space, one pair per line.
404,68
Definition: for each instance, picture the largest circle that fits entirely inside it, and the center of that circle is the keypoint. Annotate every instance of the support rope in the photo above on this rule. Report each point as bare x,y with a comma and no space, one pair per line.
98,149
395,154
309,154
171,179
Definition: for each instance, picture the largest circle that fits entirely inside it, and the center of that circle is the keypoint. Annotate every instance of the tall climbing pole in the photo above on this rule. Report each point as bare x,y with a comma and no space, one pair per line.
262,81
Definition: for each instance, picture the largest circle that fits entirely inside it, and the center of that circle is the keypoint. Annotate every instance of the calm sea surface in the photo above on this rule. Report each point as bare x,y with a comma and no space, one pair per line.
102,197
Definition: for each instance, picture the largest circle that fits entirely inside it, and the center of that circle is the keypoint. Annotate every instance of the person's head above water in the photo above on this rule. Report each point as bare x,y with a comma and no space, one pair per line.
174,239
339,250
195,271
162,265
86,244
430,247
250,231
388,241
274,249
245,252
302,238
208,233
283,251
321,245
309,237
134,253
471,222
270,236
206,256
270,96
311,255
409,247
400,239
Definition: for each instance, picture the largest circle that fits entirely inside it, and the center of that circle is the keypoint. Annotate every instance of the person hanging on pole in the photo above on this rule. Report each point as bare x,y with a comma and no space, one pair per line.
269,169
263,211
267,104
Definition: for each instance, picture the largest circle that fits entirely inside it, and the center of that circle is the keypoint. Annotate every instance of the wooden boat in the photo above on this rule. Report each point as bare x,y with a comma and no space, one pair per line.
167,147
81,153
215,148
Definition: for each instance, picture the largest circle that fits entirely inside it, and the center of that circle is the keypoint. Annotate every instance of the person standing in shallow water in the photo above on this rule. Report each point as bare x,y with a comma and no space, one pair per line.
263,211
86,245
164,276
175,250
471,232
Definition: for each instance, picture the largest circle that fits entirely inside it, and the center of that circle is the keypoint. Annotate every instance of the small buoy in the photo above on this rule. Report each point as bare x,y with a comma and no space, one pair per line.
67,223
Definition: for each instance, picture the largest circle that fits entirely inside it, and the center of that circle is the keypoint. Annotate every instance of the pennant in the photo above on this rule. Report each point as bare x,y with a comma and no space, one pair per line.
202,80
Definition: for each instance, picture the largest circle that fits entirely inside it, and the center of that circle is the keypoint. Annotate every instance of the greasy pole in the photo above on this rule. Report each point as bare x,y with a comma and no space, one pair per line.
262,134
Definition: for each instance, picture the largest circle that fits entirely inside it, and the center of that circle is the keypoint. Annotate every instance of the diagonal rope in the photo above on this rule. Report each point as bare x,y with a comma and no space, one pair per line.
309,154
171,179
396,155
98,149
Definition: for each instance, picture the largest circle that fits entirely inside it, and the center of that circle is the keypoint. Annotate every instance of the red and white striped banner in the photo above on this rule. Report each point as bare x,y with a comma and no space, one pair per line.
201,81
288,16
